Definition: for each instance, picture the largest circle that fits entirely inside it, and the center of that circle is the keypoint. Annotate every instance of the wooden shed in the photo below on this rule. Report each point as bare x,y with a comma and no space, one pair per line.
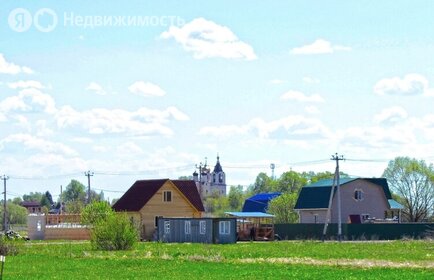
197,230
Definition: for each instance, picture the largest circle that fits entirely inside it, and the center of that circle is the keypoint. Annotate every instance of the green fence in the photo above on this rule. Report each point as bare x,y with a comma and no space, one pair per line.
356,231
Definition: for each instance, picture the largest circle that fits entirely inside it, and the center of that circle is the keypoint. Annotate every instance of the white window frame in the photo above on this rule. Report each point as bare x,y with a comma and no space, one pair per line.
166,227
166,196
202,227
225,227
187,227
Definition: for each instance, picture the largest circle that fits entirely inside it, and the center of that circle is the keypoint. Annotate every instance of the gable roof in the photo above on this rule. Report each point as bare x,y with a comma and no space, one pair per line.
143,190
317,195
30,204
259,202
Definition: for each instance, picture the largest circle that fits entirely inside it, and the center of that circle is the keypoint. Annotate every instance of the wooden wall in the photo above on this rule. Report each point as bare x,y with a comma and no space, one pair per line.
179,207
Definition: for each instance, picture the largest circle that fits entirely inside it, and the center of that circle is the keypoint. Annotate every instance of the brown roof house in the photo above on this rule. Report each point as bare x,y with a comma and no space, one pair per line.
362,200
33,207
146,200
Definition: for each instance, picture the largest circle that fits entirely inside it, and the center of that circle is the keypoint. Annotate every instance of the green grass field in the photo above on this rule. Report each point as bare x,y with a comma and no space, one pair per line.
272,260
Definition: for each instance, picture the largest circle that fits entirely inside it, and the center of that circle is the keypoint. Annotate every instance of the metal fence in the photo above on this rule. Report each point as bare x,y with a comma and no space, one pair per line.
356,231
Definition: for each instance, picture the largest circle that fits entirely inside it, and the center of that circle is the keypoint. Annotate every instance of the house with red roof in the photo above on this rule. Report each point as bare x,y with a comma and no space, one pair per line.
147,200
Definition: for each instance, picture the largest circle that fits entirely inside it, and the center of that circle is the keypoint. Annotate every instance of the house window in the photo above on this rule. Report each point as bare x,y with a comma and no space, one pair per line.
166,227
167,196
224,227
202,227
358,195
187,227
315,218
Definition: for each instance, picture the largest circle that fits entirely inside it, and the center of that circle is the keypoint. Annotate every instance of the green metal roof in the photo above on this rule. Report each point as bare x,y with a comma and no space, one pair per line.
395,204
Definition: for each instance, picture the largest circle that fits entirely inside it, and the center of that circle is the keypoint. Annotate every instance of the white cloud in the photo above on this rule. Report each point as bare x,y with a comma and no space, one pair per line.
143,121
301,97
37,143
411,84
146,89
26,84
129,149
277,81
205,39
96,88
291,127
391,115
29,99
11,68
312,110
309,80
320,46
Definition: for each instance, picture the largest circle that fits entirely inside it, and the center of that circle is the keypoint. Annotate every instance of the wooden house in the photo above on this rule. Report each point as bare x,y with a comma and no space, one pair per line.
147,200
33,207
197,230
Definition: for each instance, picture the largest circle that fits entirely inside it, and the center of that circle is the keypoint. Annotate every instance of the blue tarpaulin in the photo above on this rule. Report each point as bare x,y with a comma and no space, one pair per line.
259,202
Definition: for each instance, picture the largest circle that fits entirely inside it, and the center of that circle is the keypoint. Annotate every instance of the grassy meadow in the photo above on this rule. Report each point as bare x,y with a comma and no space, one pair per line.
253,260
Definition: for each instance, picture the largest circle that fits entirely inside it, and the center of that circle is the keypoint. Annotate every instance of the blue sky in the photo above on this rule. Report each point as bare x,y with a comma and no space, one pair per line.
284,82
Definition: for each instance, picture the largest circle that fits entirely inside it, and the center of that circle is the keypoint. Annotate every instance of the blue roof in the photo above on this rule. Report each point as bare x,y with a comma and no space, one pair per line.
250,214
259,202
395,204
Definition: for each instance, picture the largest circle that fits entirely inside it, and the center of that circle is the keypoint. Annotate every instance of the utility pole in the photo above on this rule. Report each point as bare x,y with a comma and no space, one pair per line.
5,223
88,174
337,159
60,199
336,184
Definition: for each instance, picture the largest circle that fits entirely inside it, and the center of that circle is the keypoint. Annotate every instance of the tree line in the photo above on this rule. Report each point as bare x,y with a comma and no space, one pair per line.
411,182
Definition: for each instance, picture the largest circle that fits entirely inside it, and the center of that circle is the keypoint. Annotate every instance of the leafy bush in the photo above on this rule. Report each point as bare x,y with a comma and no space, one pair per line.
96,212
8,247
115,232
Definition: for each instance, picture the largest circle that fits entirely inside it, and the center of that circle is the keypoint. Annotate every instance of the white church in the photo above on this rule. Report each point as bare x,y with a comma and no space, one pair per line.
208,182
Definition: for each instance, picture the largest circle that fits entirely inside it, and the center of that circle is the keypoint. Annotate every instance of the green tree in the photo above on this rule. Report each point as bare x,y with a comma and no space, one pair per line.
263,184
236,198
74,207
45,202
74,191
283,208
17,200
96,212
115,232
33,196
413,181
313,177
290,182
216,204
16,214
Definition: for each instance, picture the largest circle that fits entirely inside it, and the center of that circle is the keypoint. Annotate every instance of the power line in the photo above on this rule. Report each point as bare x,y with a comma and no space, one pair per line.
105,190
